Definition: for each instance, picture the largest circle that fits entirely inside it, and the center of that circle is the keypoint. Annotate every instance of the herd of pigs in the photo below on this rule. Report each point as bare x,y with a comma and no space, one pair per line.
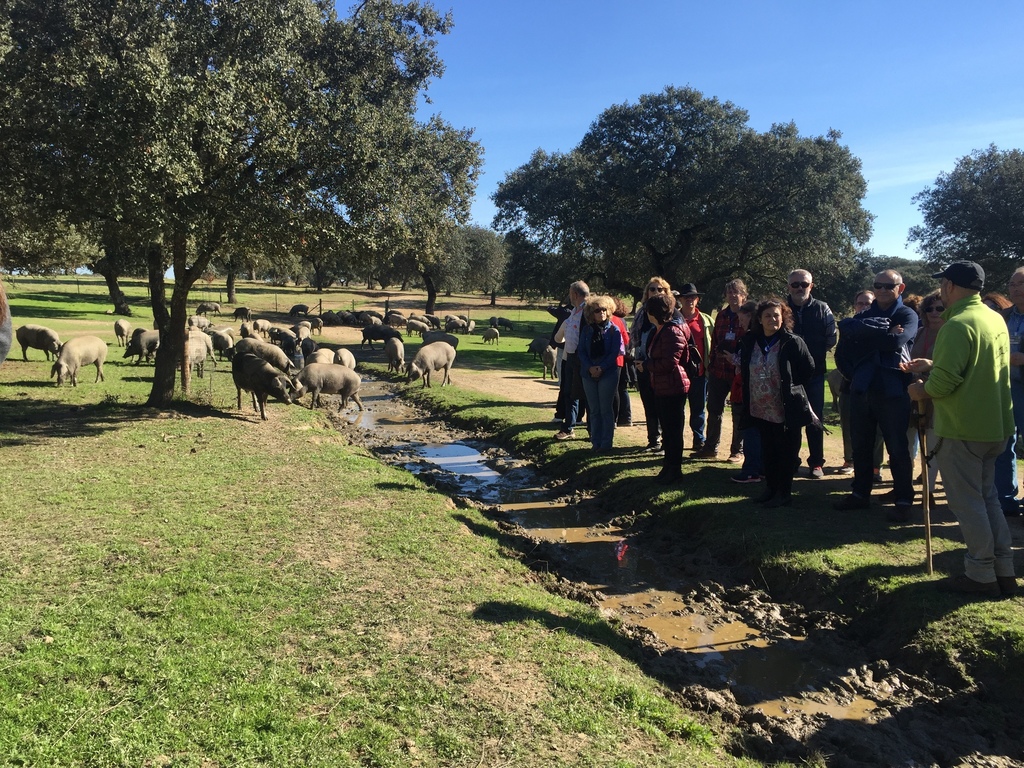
283,363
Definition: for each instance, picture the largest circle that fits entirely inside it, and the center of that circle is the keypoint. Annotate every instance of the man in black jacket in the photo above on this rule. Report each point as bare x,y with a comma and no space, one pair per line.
814,323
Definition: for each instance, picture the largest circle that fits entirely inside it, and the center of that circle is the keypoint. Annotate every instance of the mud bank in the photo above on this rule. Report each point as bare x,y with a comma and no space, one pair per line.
790,680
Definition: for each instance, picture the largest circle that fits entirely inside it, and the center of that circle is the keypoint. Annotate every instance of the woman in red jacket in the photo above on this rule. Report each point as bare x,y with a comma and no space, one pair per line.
667,353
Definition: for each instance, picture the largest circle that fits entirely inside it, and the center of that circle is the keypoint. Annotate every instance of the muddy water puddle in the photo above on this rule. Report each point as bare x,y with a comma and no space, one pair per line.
778,676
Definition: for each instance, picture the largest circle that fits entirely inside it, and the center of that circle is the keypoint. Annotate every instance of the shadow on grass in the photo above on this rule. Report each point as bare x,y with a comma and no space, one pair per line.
593,629
30,420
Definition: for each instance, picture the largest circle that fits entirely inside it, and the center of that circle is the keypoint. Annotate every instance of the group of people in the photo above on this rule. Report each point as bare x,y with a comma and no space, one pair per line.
945,364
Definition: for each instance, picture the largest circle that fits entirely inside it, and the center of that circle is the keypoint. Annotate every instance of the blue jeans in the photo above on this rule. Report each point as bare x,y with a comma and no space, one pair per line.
1006,464
752,463
697,398
601,405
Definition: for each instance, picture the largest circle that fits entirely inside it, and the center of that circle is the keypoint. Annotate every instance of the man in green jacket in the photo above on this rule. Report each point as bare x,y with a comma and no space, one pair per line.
970,389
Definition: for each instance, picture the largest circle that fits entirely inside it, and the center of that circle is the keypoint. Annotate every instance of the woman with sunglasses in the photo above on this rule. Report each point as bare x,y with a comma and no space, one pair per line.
930,310
639,338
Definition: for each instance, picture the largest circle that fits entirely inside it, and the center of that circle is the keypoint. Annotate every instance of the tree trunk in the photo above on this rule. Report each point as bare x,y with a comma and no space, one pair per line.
117,297
494,298
428,282
230,278
172,326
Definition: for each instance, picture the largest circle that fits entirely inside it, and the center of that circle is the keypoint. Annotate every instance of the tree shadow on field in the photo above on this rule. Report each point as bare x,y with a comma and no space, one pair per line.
28,420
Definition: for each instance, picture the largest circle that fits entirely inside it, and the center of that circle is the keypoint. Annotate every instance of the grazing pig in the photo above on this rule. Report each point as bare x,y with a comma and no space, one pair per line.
372,333
548,358
490,335
345,357
470,326
121,329
329,379
394,351
455,324
273,355
432,337
243,313
316,324
196,354
835,382
537,346
245,330
206,307
298,309
395,320
417,326
38,337
501,322
223,343
261,326
143,343
324,356
434,321
256,375
76,353
433,357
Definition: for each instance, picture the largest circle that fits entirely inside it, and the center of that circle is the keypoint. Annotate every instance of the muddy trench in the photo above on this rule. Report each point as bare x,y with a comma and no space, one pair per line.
791,682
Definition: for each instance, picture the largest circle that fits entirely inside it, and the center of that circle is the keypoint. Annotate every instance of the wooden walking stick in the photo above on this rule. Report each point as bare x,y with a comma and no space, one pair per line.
920,414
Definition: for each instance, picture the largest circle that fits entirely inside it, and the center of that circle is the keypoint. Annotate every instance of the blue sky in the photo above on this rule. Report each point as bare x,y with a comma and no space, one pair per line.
912,86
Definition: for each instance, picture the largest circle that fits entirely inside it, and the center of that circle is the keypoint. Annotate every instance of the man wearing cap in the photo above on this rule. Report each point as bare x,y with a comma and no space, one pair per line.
813,322
700,328
969,385
872,347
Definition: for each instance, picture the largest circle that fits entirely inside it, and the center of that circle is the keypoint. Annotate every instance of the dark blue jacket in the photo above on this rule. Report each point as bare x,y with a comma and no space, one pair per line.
869,356
612,348
816,325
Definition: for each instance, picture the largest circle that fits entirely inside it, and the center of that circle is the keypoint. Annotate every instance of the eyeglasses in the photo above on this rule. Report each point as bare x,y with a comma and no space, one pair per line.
935,309
655,289
800,285
885,286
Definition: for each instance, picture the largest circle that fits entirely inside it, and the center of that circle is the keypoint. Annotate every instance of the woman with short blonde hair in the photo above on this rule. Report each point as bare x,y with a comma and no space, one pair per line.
600,352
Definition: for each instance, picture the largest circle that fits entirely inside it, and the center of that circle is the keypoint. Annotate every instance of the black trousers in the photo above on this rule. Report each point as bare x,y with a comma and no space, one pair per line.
671,412
643,386
780,450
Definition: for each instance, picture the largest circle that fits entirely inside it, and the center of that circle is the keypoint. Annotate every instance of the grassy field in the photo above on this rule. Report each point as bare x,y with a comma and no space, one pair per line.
198,588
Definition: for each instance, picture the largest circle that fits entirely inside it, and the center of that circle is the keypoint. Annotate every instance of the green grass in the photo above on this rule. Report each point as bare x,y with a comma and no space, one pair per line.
197,587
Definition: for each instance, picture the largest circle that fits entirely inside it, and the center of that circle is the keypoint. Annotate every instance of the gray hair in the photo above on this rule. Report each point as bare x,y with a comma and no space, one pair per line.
580,288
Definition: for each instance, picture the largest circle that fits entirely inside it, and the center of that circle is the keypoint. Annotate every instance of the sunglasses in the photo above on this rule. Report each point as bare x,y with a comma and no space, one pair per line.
800,285
885,286
655,289
935,309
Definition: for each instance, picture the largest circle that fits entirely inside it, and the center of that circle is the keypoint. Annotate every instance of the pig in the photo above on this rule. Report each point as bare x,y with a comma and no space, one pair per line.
76,353
537,346
256,375
432,337
345,357
433,357
320,379
417,326
206,307
273,355
143,343
298,309
394,351
548,358
38,337
243,313
490,335
121,330
372,333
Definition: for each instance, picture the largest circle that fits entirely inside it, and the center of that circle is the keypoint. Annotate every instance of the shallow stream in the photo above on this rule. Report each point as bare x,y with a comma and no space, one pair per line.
781,673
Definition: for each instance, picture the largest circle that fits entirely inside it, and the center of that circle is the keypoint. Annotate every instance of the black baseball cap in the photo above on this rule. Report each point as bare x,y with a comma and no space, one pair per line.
966,274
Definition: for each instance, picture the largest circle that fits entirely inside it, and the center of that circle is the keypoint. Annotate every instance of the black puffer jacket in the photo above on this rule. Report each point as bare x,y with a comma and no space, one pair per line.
796,369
